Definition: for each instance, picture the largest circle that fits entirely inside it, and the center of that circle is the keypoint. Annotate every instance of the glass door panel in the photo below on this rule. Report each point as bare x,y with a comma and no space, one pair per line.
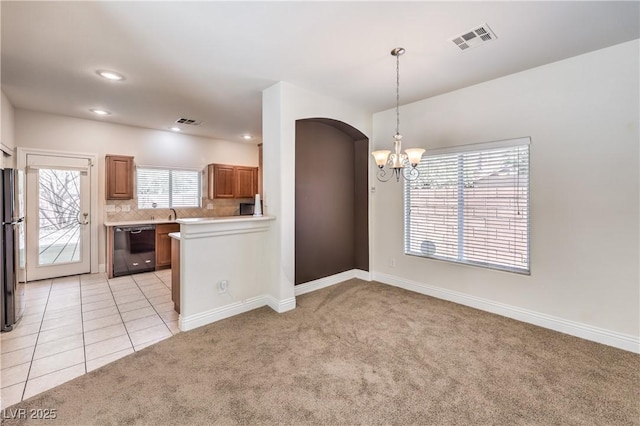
58,213
59,226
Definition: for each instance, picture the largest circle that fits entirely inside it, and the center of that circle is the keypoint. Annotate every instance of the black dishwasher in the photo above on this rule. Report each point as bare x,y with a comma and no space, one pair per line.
134,249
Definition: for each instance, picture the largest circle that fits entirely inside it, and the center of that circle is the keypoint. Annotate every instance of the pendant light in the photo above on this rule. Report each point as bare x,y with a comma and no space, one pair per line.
400,163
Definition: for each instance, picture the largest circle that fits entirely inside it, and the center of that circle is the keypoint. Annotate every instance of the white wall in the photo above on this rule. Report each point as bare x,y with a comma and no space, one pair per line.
7,134
149,147
582,117
231,250
282,105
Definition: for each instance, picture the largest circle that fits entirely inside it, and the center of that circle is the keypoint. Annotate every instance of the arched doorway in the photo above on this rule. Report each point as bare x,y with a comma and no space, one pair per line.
331,199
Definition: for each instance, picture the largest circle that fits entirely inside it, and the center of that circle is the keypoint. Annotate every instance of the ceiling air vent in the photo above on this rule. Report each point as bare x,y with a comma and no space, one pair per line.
474,37
188,121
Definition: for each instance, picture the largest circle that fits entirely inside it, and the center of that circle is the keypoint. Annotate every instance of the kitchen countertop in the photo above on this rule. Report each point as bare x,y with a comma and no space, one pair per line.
138,222
175,235
190,220
222,219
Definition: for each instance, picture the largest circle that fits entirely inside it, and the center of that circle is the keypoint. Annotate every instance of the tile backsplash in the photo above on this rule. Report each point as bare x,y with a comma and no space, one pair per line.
116,210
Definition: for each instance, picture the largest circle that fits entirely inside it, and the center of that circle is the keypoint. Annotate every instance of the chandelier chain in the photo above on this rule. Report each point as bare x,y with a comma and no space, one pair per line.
397,94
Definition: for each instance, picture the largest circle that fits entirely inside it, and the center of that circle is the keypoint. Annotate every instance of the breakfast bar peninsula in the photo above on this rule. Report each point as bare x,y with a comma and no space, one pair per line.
223,269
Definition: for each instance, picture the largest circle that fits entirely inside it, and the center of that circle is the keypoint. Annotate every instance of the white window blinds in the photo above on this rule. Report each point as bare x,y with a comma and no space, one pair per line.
472,206
185,188
165,188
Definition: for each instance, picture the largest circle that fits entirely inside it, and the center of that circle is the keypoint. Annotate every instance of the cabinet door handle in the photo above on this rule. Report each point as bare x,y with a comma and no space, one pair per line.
135,263
147,261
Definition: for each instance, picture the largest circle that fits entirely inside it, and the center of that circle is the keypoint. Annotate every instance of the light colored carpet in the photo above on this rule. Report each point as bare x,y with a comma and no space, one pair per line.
359,353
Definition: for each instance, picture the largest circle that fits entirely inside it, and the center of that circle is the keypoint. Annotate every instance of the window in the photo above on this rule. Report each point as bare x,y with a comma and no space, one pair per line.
471,206
165,188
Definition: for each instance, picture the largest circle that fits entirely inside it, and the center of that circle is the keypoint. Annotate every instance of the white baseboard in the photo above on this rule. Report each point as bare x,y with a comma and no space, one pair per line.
584,331
207,317
363,275
102,268
281,306
331,280
203,318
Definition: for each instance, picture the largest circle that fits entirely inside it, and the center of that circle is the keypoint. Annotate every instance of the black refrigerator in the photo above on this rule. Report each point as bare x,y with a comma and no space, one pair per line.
12,247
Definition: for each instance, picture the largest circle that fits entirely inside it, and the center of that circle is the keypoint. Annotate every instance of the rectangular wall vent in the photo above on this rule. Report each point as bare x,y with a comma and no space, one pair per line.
188,121
474,37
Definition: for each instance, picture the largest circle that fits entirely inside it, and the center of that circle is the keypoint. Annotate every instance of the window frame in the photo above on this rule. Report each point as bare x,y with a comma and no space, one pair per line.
170,194
459,150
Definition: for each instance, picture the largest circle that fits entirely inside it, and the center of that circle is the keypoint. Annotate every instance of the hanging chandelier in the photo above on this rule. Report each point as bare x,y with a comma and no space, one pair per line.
398,162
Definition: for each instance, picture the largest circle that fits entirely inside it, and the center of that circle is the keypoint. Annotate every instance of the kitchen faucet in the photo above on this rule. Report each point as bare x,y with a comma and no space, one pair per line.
175,215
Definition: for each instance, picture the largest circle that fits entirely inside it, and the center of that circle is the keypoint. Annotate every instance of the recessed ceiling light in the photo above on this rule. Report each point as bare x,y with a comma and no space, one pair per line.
246,137
110,75
99,111
175,129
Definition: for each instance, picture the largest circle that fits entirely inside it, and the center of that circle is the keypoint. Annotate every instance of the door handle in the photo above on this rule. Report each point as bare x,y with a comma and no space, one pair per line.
85,221
136,232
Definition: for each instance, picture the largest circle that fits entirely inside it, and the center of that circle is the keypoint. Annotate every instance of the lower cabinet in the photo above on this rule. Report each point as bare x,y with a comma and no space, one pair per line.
163,244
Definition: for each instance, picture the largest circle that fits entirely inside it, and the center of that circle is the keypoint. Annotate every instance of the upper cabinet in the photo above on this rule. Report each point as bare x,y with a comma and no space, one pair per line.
222,181
246,182
227,181
119,177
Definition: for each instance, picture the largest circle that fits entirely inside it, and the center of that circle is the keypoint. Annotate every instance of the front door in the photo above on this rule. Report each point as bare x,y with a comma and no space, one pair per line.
58,215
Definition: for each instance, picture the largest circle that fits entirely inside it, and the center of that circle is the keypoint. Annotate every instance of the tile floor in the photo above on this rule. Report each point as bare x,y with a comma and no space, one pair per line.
73,325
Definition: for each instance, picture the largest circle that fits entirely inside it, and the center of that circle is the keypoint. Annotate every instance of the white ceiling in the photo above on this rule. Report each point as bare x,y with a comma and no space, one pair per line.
210,60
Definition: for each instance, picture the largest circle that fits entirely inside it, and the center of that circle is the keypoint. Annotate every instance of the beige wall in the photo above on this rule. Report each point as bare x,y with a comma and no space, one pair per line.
582,117
7,138
282,105
149,147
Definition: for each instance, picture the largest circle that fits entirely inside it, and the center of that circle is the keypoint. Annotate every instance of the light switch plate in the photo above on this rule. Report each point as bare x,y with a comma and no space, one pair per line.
110,208
126,208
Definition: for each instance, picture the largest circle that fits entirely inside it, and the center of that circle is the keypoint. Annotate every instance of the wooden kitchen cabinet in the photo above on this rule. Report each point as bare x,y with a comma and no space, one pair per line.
227,181
163,244
246,182
119,177
222,181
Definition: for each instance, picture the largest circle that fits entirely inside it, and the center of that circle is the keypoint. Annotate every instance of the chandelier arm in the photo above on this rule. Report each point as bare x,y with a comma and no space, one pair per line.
383,176
410,173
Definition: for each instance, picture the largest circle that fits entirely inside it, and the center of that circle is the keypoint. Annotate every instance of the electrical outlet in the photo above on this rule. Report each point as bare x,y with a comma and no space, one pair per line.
210,206
126,208
392,263
223,286
110,208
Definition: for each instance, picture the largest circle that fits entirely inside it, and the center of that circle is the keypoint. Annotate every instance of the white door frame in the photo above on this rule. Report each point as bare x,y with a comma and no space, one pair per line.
21,162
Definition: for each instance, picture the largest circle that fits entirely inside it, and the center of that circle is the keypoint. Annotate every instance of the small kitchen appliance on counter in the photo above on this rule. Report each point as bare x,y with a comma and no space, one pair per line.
246,209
